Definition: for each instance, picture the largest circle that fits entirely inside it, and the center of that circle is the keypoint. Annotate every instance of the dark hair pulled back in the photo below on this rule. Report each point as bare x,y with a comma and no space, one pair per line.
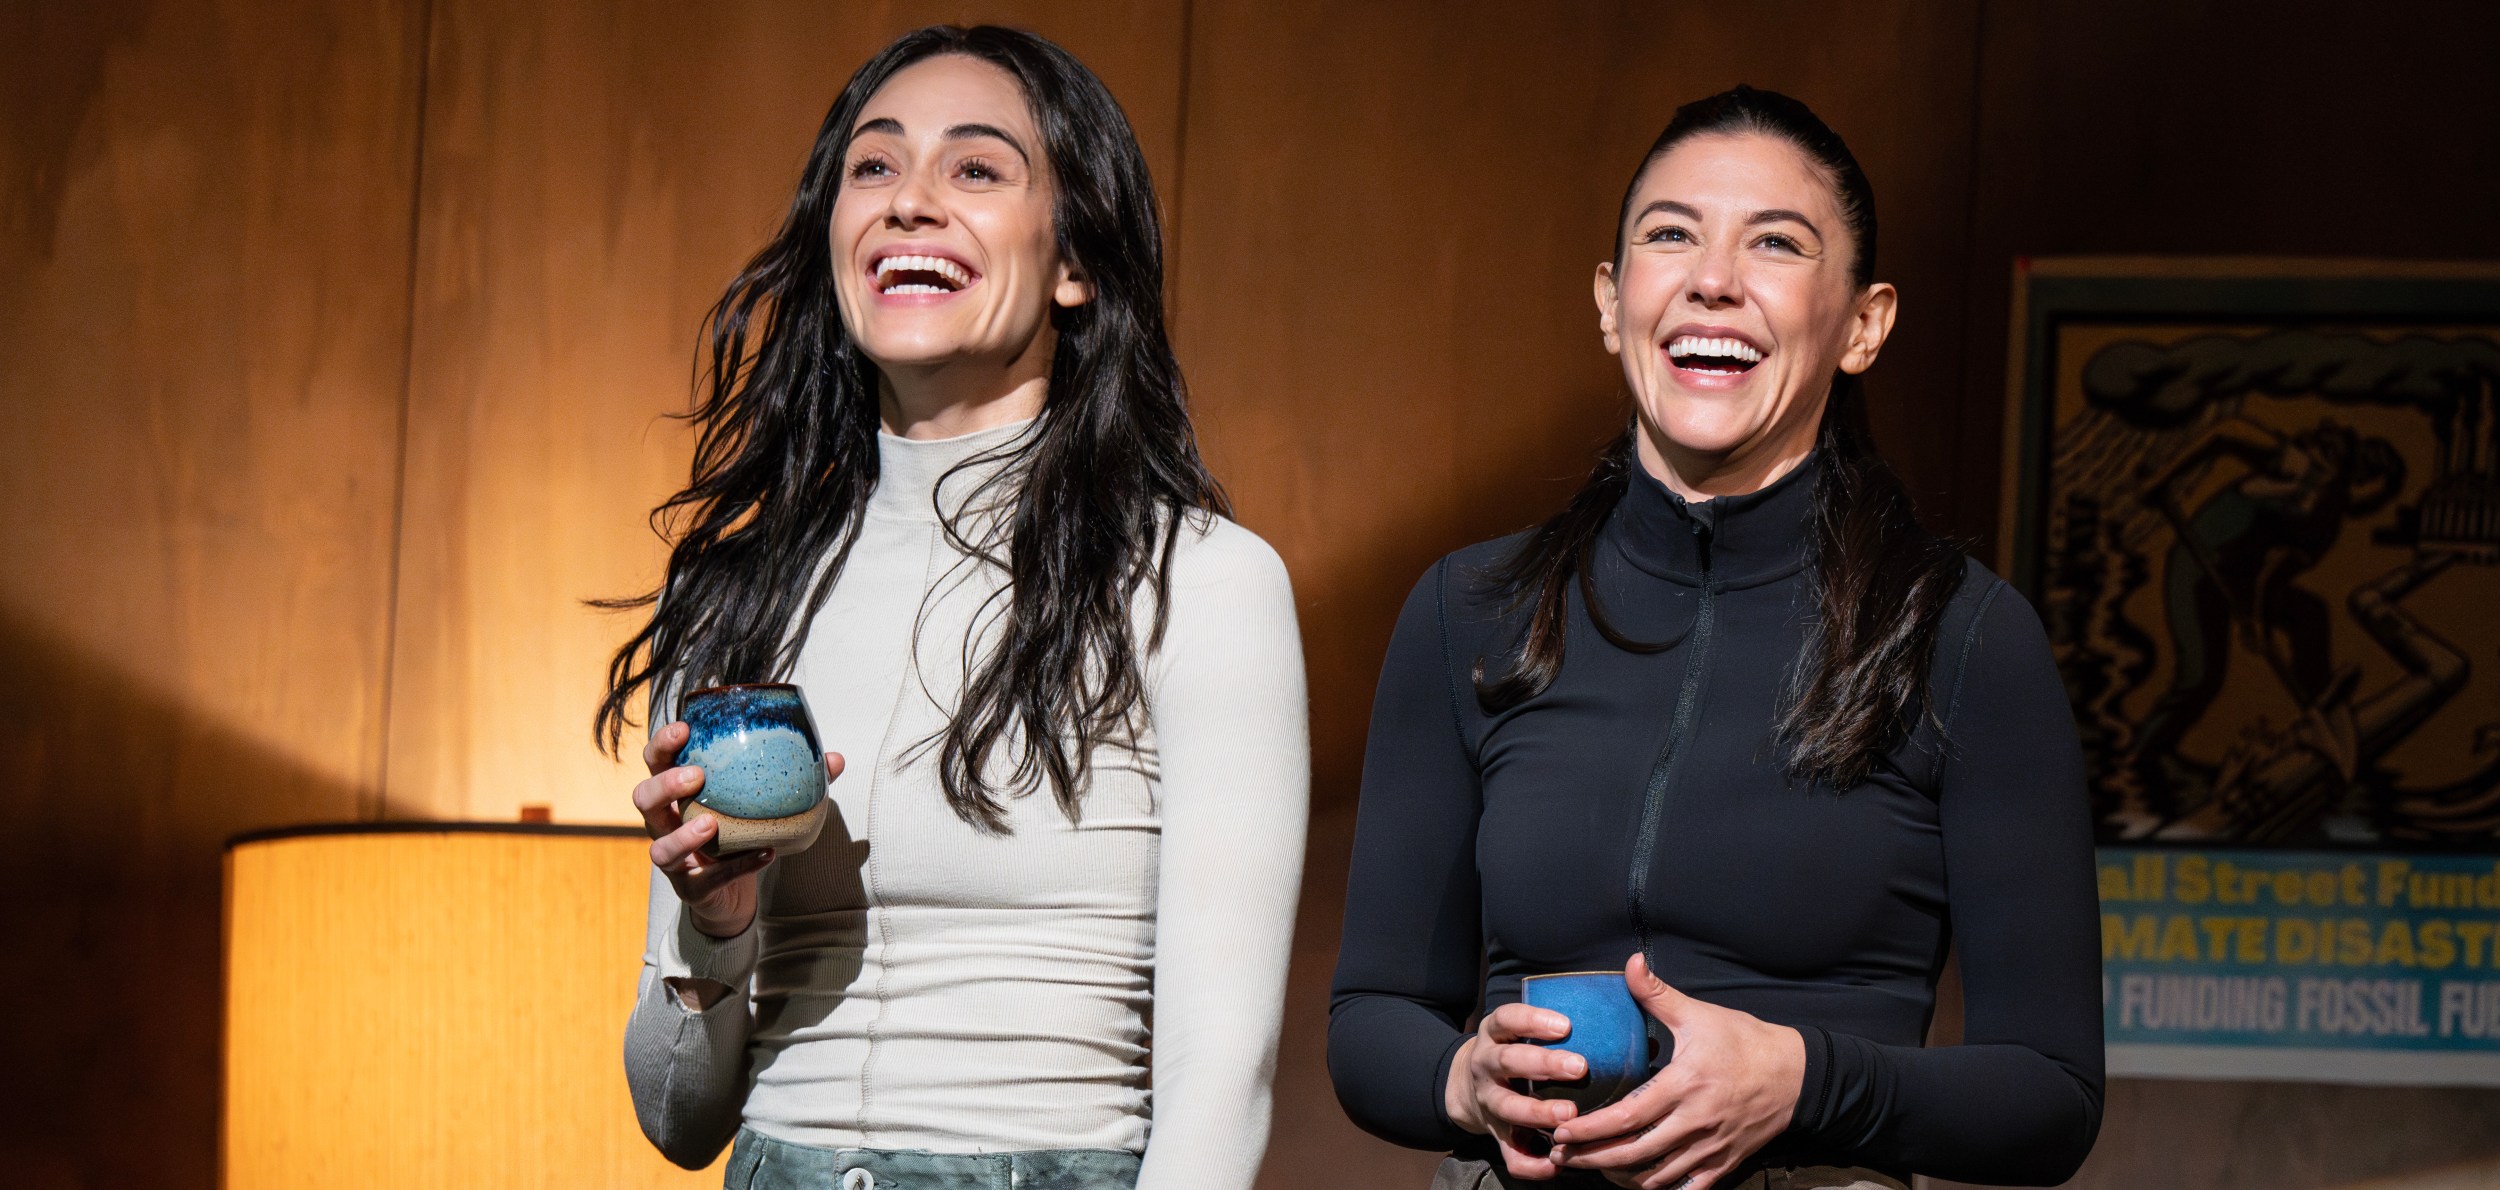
1882,581
786,455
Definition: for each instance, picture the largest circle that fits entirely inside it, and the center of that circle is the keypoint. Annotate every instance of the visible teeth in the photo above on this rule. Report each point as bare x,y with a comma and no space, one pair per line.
1717,348
923,264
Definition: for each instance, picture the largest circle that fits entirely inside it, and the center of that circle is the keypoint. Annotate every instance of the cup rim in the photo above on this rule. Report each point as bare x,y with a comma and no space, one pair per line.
728,686
1566,974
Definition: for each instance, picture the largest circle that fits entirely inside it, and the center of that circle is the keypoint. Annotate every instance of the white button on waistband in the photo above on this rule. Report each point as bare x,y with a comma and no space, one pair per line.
859,1179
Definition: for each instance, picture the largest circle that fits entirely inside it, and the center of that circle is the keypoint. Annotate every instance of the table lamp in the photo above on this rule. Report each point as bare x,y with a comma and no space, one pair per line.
435,1005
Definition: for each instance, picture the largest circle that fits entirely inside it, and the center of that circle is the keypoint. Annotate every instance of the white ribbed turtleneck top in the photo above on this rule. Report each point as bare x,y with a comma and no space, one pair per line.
912,983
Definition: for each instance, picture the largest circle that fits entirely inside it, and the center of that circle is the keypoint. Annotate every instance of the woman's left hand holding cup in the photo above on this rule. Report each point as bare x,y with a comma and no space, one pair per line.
1481,1095
718,892
1730,1087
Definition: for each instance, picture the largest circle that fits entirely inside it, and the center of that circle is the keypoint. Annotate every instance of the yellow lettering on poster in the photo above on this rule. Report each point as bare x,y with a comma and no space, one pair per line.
2178,939
2218,931
2438,941
2474,934
2352,943
2395,946
2195,879
2251,946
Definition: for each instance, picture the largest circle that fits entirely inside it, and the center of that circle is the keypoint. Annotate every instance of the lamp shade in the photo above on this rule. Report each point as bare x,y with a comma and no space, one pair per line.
434,1005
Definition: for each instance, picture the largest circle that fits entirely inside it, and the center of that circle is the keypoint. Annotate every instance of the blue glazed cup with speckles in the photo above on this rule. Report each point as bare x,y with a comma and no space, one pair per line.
1608,1029
763,766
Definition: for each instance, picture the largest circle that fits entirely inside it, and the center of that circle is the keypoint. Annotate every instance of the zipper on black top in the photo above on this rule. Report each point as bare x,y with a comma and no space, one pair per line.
1688,698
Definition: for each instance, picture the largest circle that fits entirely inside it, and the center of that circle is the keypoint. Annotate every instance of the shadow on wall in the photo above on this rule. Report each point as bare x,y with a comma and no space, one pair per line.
66,77
1312,1143
2471,1175
125,803
2292,1136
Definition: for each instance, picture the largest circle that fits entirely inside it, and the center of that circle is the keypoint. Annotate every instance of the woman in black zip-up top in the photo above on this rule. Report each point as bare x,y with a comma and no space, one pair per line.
1733,722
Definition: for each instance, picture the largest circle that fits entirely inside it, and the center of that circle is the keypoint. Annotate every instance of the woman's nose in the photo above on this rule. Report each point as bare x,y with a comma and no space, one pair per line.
916,203
1715,281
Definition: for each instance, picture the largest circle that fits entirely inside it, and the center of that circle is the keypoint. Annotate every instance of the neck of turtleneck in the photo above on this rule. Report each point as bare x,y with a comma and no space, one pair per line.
1755,536
909,470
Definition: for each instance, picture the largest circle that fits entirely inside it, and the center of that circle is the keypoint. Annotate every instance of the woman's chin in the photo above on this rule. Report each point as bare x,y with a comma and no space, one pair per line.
917,353
1704,431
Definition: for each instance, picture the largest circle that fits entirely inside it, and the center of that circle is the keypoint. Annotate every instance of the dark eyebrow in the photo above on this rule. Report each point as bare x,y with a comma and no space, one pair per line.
1670,206
1774,215
967,131
1781,215
892,126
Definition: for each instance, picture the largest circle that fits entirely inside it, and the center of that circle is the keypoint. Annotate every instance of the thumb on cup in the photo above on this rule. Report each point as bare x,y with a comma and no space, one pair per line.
1653,993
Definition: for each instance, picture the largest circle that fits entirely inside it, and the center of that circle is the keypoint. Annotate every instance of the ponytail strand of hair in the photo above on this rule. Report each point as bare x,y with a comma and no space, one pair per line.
1882,582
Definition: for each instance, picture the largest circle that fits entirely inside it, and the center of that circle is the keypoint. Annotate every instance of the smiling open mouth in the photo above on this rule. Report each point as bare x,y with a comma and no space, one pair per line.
1718,356
899,275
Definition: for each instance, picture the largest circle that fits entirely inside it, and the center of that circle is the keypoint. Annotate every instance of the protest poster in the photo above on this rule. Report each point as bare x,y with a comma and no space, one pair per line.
2257,505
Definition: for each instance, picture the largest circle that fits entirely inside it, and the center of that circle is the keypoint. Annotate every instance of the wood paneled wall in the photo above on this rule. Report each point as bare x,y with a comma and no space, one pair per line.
204,220
338,340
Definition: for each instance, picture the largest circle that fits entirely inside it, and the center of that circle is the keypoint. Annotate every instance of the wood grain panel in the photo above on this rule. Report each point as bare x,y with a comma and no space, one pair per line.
594,176
1391,219
204,227
2215,129
408,1010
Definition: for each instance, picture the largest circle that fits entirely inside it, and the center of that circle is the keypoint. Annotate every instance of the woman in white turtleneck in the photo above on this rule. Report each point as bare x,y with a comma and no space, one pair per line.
946,484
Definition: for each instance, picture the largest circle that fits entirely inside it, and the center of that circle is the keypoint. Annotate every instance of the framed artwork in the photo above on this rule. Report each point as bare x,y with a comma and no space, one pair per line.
2257,504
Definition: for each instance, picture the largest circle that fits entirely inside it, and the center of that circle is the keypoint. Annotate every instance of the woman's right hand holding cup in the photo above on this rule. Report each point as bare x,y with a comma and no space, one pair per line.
1480,1096
718,891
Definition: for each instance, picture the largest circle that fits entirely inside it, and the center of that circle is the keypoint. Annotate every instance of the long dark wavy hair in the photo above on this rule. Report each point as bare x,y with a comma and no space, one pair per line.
1882,581
786,455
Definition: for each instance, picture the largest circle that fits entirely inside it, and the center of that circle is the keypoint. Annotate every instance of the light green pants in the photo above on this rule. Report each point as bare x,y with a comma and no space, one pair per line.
1477,1175
761,1163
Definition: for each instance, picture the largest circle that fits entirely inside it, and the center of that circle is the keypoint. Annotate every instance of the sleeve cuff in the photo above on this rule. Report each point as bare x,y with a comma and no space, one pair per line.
1814,1091
689,952
1453,1137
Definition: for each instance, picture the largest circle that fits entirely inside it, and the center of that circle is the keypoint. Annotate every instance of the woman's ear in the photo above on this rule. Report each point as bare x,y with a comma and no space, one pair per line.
1606,308
1074,288
1869,325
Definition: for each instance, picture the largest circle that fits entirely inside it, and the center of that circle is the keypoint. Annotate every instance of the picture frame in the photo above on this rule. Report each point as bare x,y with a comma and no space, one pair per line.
2257,506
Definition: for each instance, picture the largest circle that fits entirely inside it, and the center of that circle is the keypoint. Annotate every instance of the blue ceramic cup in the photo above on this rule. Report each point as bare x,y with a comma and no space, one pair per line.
763,769
1608,1029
